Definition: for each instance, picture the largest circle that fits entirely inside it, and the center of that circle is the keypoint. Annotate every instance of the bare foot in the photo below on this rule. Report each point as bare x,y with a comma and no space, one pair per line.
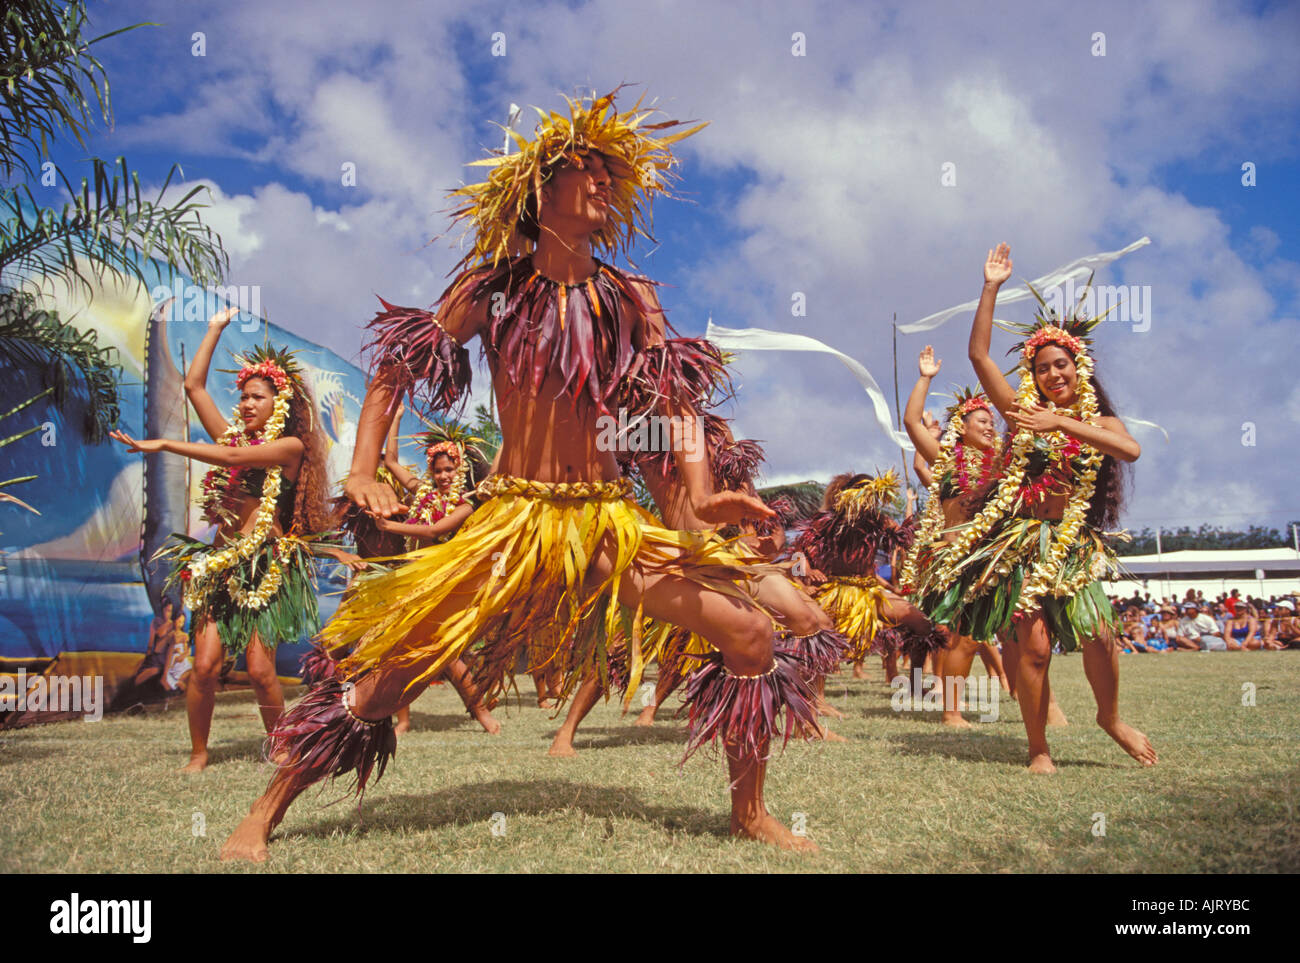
487,721
828,736
562,747
1055,717
860,673
824,708
1131,741
547,703
766,829
198,762
402,726
647,716
1042,763
956,720
248,841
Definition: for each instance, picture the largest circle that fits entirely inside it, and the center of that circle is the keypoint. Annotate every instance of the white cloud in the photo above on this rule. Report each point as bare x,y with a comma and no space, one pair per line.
1056,151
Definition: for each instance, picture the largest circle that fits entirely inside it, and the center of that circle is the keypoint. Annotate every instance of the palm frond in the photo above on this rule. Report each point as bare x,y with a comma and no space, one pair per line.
107,229
72,363
46,74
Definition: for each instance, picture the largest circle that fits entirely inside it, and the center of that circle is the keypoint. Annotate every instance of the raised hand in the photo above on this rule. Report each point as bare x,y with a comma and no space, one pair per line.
223,317
928,364
144,445
998,266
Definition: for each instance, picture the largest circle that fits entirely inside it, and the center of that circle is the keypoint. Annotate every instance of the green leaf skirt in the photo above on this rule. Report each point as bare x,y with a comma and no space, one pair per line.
291,614
982,598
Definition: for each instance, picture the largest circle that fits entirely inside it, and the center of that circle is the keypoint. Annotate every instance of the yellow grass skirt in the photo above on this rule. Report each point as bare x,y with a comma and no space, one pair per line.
855,603
519,576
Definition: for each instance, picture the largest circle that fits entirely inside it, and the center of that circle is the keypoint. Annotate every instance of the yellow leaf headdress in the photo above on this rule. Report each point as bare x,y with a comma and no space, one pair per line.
870,494
638,158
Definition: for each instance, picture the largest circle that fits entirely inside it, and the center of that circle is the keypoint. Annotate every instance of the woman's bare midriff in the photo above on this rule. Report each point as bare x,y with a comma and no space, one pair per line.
245,512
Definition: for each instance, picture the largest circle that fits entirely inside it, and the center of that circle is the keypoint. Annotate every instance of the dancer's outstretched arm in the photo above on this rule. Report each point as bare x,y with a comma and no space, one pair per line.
443,526
997,268
913,413
410,482
460,320
282,452
196,378
1108,436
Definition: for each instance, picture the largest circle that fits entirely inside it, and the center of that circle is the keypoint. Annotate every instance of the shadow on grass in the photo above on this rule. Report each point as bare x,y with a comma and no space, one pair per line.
428,722
605,737
240,750
966,747
13,752
477,802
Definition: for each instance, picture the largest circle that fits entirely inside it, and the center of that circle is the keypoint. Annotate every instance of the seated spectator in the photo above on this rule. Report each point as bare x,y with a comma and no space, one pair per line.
1281,628
1243,629
1198,625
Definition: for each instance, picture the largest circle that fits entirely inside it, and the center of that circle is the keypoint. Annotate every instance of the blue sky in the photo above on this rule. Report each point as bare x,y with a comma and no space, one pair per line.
818,174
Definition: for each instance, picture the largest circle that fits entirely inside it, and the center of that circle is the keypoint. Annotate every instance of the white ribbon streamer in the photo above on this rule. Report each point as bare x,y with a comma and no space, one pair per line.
758,339
1077,270
1128,420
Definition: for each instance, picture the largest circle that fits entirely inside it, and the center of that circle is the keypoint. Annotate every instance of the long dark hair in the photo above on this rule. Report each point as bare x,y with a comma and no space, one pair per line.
311,514
1113,477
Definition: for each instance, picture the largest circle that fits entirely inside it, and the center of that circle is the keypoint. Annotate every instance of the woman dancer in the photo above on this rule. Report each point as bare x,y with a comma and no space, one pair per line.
840,545
961,463
252,588
438,508
1034,553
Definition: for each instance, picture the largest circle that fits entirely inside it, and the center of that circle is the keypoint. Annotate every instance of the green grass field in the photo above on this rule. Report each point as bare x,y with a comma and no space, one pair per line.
902,795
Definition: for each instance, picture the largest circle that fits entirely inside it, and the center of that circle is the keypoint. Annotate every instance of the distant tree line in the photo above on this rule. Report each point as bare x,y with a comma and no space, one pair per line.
1205,538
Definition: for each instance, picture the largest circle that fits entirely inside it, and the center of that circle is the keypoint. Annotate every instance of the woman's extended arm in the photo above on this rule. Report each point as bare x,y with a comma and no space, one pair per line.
913,413
444,526
410,482
196,378
997,268
1109,436
282,452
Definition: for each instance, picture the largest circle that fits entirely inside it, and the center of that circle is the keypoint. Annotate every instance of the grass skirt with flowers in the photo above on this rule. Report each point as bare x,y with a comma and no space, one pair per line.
984,595
289,615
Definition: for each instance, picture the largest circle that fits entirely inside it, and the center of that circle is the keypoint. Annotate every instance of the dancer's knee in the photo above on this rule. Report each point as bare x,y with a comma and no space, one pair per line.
207,667
747,644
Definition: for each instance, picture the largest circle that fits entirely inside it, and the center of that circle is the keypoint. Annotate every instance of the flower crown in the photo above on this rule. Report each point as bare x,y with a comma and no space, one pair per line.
1072,332
276,365
639,162
449,448
966,400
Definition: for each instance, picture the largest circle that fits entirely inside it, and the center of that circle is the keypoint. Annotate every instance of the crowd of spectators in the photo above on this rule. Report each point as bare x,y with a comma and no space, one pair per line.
1231,623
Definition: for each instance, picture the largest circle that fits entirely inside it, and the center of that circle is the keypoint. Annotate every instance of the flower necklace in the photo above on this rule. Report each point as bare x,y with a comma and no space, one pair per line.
1042,579
431,505
199,576
988,470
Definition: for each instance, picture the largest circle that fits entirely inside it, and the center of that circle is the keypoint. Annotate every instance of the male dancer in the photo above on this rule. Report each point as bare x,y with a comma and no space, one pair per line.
557,538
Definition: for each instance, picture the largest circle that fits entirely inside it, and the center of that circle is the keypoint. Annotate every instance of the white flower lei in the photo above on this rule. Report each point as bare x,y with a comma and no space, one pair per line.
1043,578
203,569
